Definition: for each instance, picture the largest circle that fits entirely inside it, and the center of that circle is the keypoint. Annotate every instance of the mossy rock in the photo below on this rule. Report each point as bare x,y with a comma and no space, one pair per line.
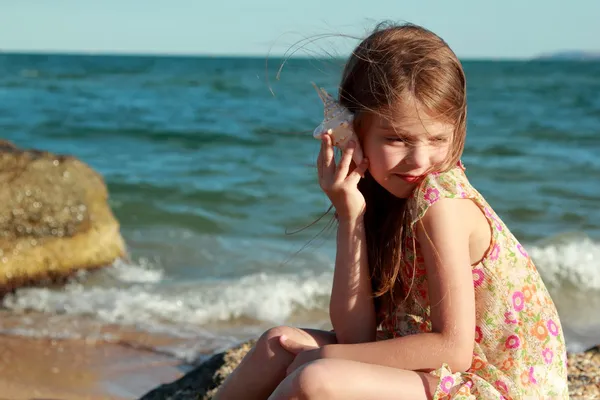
54,218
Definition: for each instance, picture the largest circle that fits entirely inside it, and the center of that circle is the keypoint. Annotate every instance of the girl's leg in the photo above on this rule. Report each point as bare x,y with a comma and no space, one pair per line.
263,368
333,379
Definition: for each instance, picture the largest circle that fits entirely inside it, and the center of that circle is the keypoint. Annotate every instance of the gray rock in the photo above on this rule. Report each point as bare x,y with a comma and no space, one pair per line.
202,382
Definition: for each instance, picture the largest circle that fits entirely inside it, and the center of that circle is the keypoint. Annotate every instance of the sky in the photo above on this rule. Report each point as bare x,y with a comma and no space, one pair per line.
497,29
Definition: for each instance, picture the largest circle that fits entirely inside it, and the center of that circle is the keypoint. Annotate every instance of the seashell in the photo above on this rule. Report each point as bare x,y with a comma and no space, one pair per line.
337,122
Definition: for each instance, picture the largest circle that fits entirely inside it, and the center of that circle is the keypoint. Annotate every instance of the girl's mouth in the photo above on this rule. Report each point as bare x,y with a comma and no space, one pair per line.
409,178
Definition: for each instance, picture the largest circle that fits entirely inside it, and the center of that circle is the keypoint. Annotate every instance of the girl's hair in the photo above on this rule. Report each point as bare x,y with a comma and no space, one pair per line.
397,62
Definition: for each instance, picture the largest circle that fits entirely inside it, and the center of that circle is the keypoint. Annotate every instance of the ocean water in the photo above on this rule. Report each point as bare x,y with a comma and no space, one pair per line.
210,168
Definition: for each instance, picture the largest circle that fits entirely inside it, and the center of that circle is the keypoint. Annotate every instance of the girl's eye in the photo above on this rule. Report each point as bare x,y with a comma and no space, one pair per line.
440,139
396,139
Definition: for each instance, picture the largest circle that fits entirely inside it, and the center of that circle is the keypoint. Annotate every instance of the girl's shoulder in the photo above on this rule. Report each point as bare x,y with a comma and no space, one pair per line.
452,183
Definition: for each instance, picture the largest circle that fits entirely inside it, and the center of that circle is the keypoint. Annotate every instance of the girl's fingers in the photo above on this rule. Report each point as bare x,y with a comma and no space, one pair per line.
344,167
328,159
359,172
328,151
320,161
321,157
358,154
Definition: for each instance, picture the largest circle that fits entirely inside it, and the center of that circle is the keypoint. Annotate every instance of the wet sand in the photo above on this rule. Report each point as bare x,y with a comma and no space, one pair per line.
73,357
33,368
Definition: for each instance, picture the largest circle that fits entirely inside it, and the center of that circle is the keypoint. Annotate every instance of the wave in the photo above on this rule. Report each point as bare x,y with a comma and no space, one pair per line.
568,265
144,296
259,297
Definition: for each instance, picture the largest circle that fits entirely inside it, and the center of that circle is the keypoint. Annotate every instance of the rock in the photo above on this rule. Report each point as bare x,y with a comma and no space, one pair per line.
584,374
202,382
54,218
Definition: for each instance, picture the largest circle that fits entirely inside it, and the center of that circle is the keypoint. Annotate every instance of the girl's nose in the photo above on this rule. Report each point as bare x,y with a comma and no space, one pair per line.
418,156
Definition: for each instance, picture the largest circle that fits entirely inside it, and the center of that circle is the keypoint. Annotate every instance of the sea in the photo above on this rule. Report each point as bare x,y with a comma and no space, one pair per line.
210,167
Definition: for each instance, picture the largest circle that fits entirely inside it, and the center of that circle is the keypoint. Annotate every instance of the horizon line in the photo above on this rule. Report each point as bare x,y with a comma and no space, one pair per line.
545,56
117,53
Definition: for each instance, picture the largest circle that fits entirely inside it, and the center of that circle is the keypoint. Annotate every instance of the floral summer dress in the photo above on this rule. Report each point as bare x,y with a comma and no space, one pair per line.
519,350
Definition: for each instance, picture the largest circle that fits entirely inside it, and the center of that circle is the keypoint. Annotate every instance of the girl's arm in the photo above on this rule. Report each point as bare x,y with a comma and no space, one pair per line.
351,307
444,238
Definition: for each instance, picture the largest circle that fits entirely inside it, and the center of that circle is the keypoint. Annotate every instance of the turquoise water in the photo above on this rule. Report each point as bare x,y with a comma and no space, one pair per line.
210,161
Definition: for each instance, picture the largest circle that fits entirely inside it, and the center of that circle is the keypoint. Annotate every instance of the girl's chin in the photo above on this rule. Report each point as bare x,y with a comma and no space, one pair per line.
399,188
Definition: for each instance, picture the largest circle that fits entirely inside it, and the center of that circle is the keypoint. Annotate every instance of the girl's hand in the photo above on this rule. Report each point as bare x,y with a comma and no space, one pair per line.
340,183
303,354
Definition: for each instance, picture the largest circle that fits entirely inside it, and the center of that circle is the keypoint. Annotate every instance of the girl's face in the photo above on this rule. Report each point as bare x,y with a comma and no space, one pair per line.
401,152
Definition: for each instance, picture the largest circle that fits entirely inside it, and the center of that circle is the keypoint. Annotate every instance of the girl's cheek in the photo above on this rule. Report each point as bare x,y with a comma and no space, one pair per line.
442,154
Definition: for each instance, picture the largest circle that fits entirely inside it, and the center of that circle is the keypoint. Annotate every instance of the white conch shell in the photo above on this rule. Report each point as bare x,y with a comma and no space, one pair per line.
338,122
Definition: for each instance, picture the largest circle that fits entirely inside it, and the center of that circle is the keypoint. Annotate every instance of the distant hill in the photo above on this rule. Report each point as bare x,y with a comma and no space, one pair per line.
571,55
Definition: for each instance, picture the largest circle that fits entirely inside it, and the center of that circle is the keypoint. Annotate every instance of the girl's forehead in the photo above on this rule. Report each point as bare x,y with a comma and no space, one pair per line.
407,111
412,125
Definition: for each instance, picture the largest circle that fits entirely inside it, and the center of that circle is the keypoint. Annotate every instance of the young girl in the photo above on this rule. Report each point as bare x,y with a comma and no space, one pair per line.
433,297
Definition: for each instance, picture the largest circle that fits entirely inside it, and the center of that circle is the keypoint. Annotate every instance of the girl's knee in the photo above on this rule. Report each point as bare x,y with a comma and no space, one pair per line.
314,380
276,332
268,343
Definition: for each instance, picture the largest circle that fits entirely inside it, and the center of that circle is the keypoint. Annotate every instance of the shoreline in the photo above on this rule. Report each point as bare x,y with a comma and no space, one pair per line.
77,369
